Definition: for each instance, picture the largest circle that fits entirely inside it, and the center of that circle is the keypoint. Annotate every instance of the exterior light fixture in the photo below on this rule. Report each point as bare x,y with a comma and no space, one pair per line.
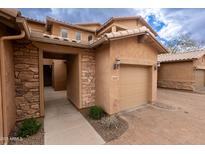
156,66
116,64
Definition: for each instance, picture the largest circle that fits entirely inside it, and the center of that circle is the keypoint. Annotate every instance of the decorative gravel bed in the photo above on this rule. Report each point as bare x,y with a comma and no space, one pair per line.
36,139
106,133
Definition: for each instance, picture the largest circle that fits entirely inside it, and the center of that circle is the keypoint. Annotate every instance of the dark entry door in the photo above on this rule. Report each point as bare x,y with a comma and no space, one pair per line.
47,72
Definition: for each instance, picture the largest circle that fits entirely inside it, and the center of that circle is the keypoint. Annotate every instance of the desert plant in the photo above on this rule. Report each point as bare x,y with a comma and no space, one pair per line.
110,122
28,127
96,112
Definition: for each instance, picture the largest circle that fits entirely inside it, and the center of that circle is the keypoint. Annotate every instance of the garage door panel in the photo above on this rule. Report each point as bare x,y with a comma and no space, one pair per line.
134,86
200,78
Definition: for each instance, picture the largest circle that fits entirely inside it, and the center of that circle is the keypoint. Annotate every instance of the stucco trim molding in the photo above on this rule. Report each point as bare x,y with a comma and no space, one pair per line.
136,62
200,67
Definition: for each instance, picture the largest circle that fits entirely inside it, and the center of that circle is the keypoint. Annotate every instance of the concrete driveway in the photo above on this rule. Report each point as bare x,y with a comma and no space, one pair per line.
64,124
177,118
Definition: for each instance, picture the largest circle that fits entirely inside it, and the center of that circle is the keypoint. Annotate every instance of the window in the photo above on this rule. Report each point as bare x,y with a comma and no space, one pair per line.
64,33
78,36
90,38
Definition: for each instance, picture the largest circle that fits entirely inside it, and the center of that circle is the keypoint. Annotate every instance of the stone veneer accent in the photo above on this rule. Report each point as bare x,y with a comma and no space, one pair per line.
176,84
88,79
27,83
26,69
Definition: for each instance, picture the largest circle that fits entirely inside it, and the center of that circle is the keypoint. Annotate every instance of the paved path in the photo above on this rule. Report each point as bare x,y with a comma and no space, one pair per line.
63,124
177,118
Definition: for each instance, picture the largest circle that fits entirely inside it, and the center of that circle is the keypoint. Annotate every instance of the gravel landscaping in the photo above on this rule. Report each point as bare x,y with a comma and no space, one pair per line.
36,139
107,133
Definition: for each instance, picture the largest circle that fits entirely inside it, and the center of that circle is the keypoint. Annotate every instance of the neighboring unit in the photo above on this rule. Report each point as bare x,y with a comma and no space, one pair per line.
113,65
182,70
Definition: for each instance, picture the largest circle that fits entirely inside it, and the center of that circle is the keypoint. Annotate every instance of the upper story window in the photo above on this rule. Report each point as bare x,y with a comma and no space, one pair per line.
64,33
90,38
78,36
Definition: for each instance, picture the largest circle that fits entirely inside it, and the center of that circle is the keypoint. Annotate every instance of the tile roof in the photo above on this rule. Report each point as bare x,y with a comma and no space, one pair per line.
10,11
171,57
35,20
127,18
107,36
89,23
129,33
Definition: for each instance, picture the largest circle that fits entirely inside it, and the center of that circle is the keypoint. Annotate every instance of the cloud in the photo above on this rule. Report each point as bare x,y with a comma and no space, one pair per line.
167,22
78,15
189,21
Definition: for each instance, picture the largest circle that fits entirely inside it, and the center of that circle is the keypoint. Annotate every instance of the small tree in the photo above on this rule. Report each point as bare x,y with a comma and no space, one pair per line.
182,42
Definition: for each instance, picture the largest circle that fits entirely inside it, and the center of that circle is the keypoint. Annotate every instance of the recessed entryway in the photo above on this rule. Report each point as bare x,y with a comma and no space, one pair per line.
63,123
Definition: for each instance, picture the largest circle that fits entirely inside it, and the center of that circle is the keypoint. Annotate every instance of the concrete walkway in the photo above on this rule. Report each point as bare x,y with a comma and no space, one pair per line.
63,124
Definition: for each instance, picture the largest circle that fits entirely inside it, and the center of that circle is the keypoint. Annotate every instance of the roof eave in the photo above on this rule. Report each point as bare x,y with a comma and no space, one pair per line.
173,61
51,20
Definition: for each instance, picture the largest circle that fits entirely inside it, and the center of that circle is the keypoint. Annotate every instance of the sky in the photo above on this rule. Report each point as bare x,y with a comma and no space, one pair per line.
168,23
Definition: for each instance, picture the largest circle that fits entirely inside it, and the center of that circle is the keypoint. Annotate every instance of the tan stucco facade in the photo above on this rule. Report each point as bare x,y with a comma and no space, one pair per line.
129,52
59,74
71,32
182,75
7,89
93,73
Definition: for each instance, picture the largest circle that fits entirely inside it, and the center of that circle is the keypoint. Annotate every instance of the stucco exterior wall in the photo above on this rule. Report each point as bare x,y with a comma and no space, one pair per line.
199,66
90,27
73,81
7,68
47,61
37,27
1,110
27,97
71,32
200,62
176,75
59,74
131,52
102,82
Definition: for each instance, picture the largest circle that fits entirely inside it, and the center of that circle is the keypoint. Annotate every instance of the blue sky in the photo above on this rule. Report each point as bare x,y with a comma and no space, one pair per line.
167,22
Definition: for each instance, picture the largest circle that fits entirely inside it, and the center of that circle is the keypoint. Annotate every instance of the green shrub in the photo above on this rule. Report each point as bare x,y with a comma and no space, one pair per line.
96,112
28,127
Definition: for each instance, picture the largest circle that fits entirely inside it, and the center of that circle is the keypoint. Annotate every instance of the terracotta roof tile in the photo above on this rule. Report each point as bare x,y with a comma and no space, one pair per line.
101,39
181,56
126,18
34,20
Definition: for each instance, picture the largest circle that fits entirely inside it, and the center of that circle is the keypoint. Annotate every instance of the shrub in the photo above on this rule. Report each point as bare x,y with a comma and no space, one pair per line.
110,122
96,112
28,127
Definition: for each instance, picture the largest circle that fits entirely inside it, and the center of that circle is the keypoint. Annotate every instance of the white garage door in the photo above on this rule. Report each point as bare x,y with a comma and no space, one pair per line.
134,86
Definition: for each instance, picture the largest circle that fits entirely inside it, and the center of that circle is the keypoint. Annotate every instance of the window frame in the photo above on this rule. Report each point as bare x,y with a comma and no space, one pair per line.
62,31
76,36
91,38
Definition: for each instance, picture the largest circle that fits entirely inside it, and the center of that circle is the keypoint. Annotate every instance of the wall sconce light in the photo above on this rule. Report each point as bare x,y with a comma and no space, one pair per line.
116,64
155,67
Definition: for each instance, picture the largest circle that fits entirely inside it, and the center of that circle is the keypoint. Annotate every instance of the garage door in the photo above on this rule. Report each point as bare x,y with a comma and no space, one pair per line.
200,78
134,86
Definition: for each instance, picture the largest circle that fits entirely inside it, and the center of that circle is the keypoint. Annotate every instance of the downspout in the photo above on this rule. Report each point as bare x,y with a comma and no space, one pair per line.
2,63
